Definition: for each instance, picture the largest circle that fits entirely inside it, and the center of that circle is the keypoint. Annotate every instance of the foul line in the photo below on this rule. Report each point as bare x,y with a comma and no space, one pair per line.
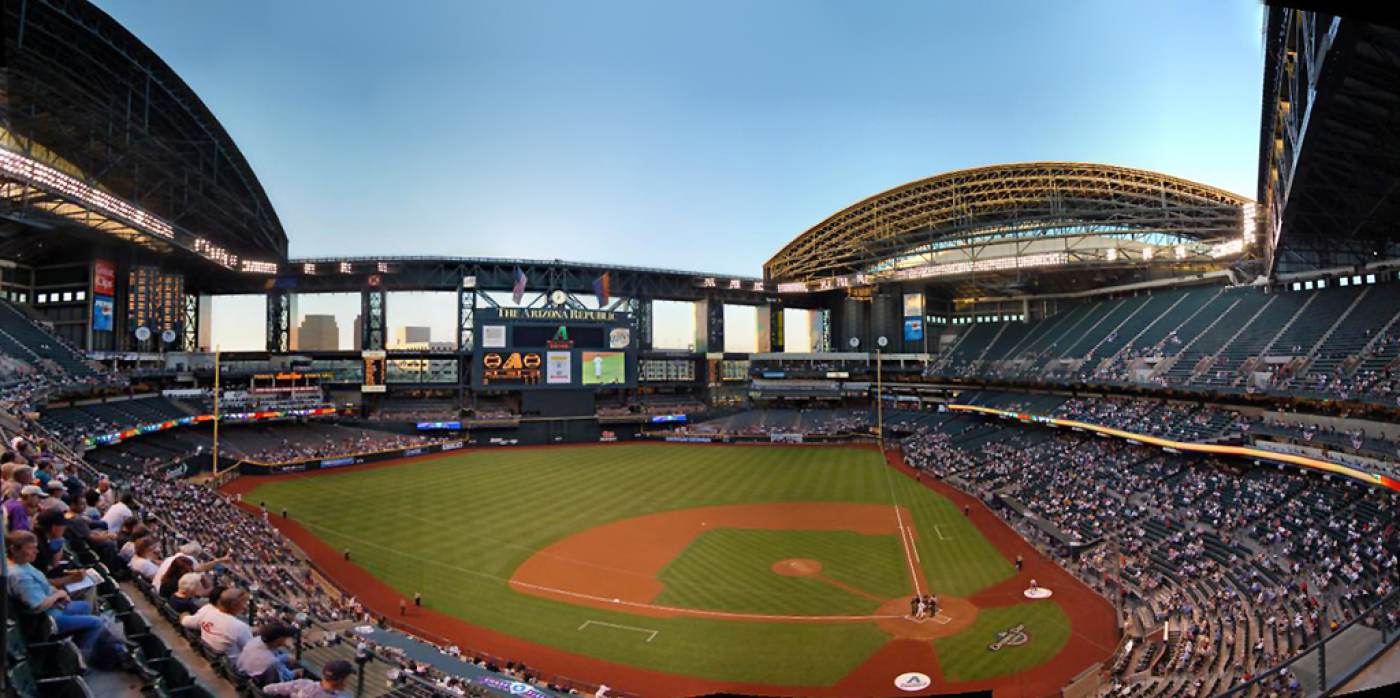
650,637
903,536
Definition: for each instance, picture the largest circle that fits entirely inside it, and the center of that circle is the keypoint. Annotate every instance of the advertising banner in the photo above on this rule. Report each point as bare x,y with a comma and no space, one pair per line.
104,278
913,305
102,309
558,368
914,329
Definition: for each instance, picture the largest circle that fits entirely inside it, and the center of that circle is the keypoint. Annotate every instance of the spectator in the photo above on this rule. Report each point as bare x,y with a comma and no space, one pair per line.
220,624
33,590
118,513
265,659
143,562
335,675
191,588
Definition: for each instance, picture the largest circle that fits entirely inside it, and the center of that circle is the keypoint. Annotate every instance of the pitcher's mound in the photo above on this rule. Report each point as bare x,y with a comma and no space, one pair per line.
954,616
797,567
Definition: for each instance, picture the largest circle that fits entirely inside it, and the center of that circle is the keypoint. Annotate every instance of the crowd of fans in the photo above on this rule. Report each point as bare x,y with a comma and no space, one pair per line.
329,442
227,574
1249,565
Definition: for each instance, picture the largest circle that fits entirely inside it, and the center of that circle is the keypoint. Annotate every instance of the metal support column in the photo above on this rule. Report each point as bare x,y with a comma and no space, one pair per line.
821,330
709,325
279,321
189,340
373,316
640,311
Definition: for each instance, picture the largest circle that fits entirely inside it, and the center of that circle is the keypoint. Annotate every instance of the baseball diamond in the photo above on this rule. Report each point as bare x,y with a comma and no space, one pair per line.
712,568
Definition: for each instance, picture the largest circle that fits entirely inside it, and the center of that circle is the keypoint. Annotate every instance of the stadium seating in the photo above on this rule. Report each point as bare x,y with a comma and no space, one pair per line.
23,339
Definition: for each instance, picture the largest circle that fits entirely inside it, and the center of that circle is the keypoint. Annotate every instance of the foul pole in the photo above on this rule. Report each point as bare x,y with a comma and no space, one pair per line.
215,449
879,402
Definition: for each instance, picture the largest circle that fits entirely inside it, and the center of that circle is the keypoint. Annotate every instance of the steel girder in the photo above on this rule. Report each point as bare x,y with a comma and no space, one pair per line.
324,275
987,203
82,94
1329,147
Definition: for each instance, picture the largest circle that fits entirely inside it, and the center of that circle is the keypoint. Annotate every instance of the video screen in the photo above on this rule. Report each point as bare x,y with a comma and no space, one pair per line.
604,368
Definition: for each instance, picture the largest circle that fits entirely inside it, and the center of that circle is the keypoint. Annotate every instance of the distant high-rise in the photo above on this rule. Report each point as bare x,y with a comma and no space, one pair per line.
355,337
410,335
318,333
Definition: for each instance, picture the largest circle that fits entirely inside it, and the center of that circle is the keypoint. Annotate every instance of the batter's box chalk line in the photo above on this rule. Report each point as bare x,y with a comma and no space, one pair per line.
651,634
939,619
939,530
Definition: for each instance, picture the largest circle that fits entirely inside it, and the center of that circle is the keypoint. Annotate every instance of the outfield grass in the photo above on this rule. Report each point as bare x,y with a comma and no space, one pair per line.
456,527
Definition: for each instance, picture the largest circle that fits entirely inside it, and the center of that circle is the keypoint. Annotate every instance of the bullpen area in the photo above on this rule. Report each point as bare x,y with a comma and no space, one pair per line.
670,570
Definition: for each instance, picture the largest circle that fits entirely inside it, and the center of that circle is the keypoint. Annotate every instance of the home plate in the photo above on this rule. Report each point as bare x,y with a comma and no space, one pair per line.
1038,593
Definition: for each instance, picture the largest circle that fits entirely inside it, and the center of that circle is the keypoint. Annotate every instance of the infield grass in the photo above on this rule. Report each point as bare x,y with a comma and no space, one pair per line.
456,527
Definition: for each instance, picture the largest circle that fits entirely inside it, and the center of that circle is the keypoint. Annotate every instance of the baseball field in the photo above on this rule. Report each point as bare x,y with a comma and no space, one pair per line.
671,569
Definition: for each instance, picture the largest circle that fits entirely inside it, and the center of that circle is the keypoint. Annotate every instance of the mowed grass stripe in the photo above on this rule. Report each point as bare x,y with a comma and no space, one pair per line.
455,528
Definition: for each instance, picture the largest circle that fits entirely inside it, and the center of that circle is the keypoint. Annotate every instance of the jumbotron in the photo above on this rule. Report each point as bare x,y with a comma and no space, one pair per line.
1054,428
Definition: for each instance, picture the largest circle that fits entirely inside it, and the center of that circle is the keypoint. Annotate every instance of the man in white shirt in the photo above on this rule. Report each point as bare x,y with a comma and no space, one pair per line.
220,624
106,496
118,513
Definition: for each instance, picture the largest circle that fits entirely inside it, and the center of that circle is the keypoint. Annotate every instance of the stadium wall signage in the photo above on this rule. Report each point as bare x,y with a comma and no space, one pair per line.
251,468
1369,478
117,437
556,314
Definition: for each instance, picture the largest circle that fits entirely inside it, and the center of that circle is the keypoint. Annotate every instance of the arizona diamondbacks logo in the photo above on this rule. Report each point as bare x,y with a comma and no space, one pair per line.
1013,636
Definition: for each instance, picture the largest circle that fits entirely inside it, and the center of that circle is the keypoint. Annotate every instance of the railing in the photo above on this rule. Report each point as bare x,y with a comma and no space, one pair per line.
1336,658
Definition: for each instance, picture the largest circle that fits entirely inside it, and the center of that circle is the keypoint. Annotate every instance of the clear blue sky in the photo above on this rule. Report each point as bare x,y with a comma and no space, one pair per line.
699,136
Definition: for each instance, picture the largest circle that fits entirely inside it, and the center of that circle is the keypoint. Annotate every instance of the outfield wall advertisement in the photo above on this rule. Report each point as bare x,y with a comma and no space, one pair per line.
248,468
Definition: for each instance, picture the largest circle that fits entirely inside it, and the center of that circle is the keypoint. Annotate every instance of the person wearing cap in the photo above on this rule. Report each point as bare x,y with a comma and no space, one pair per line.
80,528
265,659
335,676
49,527
54,501
20,510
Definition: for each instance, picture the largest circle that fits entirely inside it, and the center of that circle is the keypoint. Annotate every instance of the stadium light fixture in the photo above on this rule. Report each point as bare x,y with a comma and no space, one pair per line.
257,267
309,269
345,268
40,175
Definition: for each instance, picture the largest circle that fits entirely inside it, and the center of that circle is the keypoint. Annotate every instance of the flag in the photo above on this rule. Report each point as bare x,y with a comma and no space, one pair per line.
602,289
518,291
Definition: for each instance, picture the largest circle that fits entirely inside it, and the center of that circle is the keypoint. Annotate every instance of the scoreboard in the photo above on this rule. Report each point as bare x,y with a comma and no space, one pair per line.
553,348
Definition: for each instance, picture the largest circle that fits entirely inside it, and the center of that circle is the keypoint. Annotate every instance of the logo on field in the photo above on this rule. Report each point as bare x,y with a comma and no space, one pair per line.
912,681
1014,636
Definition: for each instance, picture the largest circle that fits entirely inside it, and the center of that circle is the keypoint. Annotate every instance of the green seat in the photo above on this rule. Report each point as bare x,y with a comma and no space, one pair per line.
24,684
